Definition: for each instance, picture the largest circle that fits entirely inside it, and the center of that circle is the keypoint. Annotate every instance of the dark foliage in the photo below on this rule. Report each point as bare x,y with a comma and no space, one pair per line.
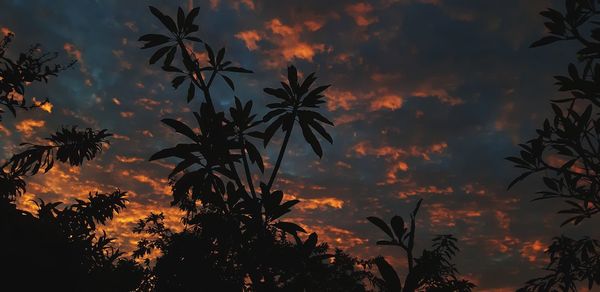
34,65
66,145
61,250
571,261
566,150
234,238
432,271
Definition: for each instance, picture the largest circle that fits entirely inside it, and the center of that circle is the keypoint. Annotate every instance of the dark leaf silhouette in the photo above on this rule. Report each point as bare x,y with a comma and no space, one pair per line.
432,271
572,136
33,65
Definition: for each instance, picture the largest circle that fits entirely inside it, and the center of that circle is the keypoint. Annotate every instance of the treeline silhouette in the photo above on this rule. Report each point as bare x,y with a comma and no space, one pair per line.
235,236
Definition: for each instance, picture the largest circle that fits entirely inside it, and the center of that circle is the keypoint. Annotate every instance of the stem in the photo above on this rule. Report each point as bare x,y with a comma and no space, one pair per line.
247,168
201,84
280,157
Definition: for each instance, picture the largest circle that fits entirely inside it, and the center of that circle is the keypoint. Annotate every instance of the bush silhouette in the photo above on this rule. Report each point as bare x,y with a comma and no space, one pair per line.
58,248
34,65
432,271
565,152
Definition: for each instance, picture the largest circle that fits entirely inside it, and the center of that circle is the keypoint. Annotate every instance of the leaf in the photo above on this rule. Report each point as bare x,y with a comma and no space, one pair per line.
320,130
159,54
181,128
308,81
177,81
315,116
180,19
273,114
170,57
519,178
194,39
389,275
545,41
379,223
291,228
220,55
279,93
211,54
229,81
272,128
189,20
310,243
293,78
237,70
398,227
153,40
191,92
255,156
311,139
166,20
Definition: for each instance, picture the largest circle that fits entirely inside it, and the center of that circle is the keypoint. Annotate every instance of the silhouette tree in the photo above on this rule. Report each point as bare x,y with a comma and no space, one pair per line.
56,249
34,65
432,271
565,152
57,242
234,238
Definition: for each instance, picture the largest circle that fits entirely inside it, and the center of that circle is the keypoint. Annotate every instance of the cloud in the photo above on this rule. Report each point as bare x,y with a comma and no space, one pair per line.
5,31
390,102
27,127
361,13
288,44
250,38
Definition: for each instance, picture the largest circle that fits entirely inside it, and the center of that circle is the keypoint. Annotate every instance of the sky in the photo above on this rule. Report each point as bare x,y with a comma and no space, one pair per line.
427,97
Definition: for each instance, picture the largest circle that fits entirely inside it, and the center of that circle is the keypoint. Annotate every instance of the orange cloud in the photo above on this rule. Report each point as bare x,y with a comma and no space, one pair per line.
159,186
313,24
425,190
396,155
126,159
250,38
127,114
442,95
27,127
440,215
45,106
390,102
321,203
532,250
289,45
503,219
359,12
147,103
395,168
339,99
75,53
4,130
6,31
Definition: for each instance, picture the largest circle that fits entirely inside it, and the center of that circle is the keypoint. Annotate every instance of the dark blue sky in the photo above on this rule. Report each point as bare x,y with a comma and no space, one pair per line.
428,97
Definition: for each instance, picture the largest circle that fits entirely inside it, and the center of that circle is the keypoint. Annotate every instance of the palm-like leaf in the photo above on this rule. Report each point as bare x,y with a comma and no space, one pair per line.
67,145
295,104
210,153
170,43
244,121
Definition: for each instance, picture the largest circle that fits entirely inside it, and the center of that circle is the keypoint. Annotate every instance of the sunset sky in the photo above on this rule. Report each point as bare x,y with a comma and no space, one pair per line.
428,97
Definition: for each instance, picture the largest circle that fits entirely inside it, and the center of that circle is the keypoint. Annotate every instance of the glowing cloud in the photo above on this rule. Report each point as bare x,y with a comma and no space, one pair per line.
390,102
27,127
250,38
359,12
